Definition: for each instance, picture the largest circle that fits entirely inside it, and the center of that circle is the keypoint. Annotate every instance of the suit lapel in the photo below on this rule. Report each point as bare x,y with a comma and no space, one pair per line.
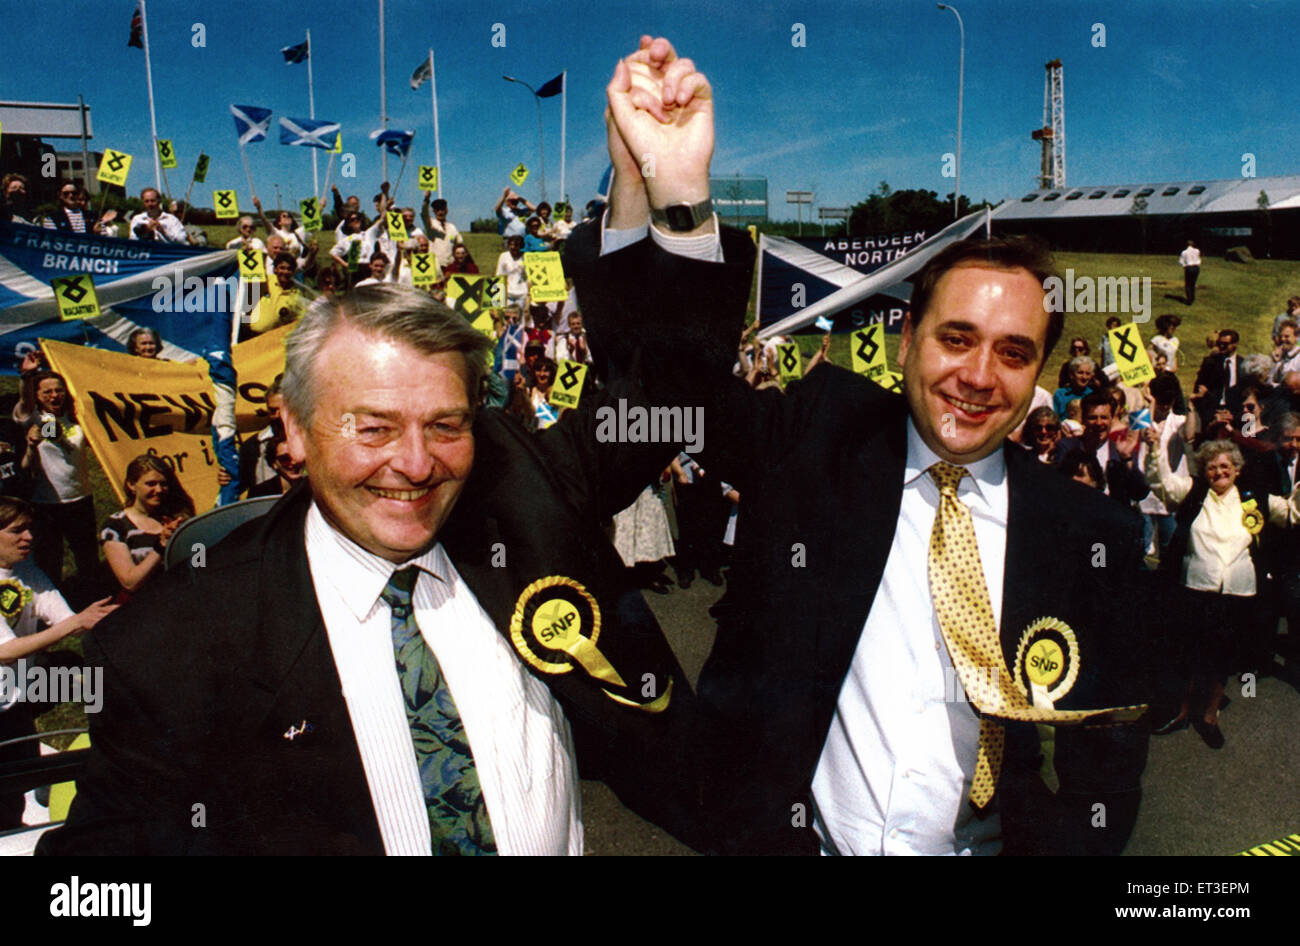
1029,550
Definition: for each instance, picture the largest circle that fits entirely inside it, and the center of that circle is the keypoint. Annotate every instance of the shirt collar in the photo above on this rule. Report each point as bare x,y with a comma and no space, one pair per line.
358,575
987,477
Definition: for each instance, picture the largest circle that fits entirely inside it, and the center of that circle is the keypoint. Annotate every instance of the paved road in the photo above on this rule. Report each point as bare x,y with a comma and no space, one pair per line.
1196,801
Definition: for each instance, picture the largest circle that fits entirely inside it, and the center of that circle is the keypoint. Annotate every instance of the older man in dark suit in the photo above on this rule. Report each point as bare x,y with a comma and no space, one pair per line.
922,655
410,654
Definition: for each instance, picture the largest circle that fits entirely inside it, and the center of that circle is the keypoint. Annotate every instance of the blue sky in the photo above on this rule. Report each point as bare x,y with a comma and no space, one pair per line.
1180,91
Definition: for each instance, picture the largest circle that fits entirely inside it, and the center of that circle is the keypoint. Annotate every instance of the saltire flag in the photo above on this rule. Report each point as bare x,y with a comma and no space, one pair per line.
251,122
397,142
606,179
309,132
137,29
423,73
553,87
295,54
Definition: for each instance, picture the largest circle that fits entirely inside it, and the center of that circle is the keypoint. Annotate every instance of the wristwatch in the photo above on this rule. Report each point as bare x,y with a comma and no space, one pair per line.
683,217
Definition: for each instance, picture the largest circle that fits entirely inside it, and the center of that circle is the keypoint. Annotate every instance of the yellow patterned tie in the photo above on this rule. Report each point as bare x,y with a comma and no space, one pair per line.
961,605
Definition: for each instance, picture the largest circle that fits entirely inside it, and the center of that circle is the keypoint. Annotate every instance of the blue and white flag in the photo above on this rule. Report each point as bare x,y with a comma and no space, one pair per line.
545,415
295,54
251,123
1140,419
551,87
309,132
422,74
397,142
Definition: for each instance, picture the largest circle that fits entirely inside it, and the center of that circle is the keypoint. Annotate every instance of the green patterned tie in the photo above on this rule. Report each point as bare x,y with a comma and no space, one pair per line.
458,817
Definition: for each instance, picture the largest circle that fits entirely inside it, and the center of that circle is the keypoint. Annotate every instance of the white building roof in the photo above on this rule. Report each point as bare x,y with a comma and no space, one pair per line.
1168,197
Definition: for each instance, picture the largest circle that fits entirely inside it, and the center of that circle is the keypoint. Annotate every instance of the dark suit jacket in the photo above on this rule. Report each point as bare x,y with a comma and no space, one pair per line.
206,670
1213,374
1126,482
820,472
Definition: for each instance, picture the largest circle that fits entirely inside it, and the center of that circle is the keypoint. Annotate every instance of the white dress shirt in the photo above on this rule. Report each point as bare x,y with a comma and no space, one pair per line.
520,738
895,773
170,230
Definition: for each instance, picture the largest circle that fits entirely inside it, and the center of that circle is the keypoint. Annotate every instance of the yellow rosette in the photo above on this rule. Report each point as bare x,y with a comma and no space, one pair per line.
1252,518
556,624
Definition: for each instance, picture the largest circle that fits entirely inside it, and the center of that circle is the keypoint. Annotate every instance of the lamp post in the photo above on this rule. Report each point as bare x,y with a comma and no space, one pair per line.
961,78
541,150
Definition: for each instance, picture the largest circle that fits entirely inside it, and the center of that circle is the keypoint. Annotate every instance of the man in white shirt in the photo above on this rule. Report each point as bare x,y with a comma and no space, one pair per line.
1190,260
443,235
393,678
154,223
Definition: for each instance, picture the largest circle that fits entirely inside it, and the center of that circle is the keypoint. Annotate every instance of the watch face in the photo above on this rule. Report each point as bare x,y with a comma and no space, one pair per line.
679,217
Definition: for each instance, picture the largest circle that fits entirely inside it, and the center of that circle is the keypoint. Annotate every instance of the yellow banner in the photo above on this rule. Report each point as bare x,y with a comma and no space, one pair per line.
114,167
338,144
1130,356
76,297
166,153
129,406
545,277
225,204
868,347
428,178
471,294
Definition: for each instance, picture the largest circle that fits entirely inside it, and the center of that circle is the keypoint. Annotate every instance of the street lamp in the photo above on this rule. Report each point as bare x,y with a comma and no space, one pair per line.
541,150
961,78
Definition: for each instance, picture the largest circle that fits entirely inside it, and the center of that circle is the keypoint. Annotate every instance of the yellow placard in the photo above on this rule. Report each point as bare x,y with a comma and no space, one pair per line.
868,347
891,381
129,406
545,277
114,167
567,389
338,144
397,226
428,179
519,175
472,294
788,361
201,168
483,322
166,153
309,210
1130,355
225,204
424,270
75,296
252,264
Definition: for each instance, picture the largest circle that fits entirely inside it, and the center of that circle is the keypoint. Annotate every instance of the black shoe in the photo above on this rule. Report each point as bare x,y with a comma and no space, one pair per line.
658,587
684,581
713,577
1210,733
1174,725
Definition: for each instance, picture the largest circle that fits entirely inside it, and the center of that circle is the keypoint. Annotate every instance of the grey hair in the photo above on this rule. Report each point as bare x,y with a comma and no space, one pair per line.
1288,422
1212,449
1258,367
392,312
1078,361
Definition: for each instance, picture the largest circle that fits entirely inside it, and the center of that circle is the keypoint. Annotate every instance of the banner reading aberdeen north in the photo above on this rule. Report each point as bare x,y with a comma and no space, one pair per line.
182,292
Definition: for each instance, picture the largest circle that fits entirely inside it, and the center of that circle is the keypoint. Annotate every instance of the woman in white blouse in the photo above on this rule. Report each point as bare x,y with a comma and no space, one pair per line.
1215,557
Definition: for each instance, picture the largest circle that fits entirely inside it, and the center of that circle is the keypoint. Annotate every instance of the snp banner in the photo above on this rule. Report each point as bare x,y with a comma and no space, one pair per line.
185,293
795,273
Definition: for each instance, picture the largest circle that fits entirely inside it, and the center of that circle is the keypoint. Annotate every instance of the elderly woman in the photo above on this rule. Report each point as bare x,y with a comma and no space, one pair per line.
1083,375
134,539
1214,558
144,343
1042,434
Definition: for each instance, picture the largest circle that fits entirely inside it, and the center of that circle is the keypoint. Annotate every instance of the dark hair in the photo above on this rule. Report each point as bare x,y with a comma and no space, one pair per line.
1077,459
547,363
532,220
1004,252
1171,320
1113,319
176,500
284,258
12,509
274,388
1097,399
1231,333
32,383
439,204
1164,388
377,254
541,205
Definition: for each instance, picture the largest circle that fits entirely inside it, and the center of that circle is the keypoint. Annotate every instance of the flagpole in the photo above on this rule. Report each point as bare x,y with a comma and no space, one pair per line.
564,118
329,170
383,88
400,172
153,121
311,113
437,147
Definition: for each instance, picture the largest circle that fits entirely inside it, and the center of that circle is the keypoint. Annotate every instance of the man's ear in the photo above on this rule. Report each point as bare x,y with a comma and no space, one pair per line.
906,342
294,436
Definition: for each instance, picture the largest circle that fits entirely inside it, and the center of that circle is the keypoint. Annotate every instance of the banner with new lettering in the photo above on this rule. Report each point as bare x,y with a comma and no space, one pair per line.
129,406
184,293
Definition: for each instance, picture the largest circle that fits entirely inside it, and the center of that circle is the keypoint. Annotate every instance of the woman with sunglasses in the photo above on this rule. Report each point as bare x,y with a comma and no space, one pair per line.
1042,435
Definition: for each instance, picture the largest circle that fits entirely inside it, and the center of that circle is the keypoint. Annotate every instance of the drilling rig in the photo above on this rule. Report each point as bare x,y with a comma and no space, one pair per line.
1052,134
